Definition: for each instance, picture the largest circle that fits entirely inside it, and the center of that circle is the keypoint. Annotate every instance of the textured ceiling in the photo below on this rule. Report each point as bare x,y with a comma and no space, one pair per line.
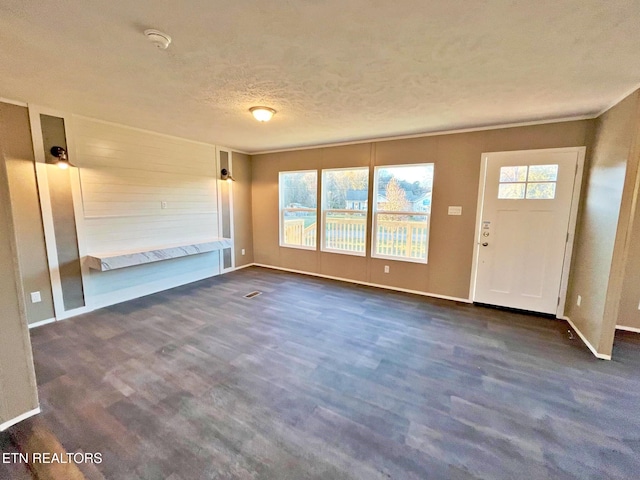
336,70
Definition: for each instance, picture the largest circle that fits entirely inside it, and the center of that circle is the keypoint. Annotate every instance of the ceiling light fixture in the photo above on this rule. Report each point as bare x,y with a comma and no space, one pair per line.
60,155
158,38
262,114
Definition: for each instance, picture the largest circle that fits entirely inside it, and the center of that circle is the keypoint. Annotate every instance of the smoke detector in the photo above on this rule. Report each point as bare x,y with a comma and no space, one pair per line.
158,38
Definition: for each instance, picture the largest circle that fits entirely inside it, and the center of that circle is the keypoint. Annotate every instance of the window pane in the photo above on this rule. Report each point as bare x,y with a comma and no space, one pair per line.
402,236
511,190
402,188
299,189
513,174
299,228
345,231
345,190
543,173
298,202
541,191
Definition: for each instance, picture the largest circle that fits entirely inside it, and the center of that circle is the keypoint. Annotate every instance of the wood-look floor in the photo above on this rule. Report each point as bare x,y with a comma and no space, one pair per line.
316,379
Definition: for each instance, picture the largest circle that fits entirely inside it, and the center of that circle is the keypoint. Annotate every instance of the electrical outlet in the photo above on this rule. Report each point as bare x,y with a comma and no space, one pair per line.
163,205
579,300
386,269
35,297
243,251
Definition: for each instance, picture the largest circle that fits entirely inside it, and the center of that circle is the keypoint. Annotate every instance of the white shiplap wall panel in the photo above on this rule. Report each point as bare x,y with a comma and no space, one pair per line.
112,234
137,176
125,176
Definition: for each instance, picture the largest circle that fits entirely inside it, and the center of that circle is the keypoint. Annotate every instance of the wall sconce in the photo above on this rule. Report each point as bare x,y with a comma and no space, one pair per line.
60,154
225,175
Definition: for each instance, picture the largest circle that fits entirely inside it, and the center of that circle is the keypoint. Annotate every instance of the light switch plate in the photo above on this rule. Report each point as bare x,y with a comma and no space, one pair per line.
455,210
35,297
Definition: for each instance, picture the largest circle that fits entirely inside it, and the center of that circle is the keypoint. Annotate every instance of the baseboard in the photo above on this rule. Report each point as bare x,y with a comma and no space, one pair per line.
628,329
601,356
41,323
367,284
75,312
19,418
241,267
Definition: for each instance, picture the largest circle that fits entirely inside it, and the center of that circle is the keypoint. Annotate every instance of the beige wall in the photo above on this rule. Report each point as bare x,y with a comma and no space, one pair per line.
629,306
15,136
629,315
603,220
18,392
457,169
242,223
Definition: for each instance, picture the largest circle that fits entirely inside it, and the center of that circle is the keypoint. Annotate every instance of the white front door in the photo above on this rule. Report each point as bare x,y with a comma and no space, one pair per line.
524,220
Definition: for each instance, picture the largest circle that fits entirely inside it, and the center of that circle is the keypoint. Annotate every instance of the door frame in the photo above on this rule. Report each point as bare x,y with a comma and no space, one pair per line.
573,218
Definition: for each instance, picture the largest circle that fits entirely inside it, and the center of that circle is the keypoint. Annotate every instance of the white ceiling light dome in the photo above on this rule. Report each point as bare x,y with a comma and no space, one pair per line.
262,114
158,38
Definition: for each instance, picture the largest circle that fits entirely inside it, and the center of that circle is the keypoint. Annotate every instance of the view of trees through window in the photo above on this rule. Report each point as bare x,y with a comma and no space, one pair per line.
406,188
345,198
402,211
401,205
298,208
533,182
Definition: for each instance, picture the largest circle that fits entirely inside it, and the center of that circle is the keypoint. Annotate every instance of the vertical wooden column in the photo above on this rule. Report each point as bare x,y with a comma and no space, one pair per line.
18,391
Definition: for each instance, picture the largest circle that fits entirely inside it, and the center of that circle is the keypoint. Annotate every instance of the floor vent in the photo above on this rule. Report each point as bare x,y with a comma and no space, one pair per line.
252,294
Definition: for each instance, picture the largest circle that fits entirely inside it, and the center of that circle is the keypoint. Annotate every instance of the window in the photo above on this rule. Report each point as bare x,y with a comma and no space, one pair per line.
298,209
401,213
533,182
345,194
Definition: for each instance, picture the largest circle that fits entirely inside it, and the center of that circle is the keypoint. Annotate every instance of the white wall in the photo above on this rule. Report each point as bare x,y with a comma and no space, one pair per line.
125,175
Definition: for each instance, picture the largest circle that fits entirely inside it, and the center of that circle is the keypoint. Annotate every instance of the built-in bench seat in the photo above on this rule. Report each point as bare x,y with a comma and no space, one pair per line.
129,258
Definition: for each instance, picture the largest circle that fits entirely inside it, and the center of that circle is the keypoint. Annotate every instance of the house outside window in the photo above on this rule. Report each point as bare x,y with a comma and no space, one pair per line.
344,210
402,211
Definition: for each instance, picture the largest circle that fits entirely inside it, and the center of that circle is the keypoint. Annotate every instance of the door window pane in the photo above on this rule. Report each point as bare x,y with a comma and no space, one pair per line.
513,174
541,191
543,173
511,190
538,181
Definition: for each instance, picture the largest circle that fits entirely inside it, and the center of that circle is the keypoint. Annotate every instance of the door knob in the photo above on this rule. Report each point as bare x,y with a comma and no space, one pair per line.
485,244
